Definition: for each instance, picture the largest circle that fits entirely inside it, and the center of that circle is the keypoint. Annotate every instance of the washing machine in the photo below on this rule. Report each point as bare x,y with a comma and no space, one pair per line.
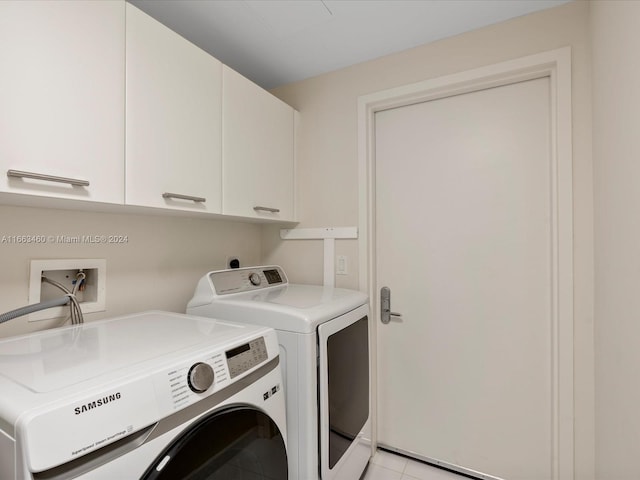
154,395
323,333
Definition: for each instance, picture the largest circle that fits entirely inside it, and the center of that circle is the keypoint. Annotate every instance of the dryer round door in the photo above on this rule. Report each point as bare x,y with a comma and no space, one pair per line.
238,442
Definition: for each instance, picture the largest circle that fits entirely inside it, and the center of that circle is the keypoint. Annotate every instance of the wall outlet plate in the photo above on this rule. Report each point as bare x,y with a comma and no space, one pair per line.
341,265
92,297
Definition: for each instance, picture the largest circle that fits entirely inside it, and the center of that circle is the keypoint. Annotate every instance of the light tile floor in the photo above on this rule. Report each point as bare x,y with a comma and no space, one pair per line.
387,466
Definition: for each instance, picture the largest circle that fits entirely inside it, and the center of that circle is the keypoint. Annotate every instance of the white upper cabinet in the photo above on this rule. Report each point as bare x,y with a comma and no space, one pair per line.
258,151
62,99
102,103
173,118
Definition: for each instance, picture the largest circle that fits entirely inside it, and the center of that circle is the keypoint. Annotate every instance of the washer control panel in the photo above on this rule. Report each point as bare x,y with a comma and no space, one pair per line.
187,383
247,356
247,279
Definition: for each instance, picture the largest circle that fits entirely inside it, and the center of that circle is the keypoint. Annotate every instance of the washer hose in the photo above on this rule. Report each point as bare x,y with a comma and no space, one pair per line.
36,307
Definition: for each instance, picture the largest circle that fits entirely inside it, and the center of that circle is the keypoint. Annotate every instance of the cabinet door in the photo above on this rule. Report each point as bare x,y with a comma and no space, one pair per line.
173,119
258,151
62,98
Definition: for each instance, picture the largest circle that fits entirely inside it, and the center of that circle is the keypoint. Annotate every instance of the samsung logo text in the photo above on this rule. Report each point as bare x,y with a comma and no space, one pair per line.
99,402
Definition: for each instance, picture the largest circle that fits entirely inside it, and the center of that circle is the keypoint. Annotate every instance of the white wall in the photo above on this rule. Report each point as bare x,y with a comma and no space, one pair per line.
156,269
328,160
616,155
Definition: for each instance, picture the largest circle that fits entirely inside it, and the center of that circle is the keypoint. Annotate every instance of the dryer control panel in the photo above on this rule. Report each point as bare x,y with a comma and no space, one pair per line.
247,279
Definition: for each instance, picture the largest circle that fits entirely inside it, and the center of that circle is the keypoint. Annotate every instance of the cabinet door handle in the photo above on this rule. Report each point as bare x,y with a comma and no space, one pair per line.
179,196
266,209
48,178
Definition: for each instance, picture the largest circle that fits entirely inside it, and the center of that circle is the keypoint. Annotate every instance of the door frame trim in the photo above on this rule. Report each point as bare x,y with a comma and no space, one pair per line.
556,65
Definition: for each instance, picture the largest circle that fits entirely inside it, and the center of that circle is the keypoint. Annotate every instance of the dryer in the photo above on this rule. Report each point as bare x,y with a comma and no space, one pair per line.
154,395
323,334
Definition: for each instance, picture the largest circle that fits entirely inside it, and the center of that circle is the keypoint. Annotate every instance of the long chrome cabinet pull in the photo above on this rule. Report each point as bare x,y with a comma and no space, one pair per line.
184,197
266,209
48,178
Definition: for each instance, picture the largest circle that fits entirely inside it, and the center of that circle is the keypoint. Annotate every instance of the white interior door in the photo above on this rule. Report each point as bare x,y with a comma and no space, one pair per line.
465,241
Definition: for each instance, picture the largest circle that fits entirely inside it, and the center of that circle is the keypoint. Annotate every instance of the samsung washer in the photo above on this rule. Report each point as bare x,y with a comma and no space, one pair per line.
153,396
323,334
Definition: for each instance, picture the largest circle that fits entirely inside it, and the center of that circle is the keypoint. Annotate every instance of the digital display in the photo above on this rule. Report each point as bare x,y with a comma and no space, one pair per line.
272,276
247,356
238,350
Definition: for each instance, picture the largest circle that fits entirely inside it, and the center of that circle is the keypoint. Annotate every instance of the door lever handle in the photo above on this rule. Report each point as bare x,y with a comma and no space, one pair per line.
385,306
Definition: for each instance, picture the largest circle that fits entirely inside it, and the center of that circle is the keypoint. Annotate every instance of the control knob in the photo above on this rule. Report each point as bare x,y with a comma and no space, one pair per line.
200,377
254,278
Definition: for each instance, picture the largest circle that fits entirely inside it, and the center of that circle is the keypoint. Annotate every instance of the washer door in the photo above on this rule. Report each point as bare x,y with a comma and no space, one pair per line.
230,444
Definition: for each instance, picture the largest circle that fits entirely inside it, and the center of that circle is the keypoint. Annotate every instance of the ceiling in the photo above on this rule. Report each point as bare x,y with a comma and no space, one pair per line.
275,42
